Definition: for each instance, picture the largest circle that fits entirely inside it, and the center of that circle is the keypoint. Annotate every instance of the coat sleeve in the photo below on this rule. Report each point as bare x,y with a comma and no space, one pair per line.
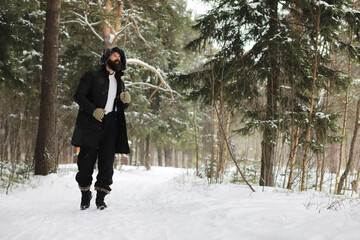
82,94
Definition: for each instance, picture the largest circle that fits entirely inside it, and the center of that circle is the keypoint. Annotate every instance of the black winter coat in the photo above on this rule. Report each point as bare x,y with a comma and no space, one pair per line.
92,93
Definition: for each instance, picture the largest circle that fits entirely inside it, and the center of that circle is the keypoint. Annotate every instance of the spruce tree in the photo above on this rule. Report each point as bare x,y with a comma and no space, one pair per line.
266,49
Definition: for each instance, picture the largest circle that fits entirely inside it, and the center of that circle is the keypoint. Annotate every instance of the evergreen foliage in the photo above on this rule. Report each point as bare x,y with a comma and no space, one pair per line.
255,56
265,60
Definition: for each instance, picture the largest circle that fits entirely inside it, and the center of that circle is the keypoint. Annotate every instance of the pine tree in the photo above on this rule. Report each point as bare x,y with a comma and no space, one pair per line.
270,81
45,153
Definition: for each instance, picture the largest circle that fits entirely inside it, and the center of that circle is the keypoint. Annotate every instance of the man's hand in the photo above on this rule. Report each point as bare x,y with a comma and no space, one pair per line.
125,97
99,113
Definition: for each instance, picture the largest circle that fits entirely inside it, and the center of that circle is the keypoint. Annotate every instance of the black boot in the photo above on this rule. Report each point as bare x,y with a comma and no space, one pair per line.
100,200
85,199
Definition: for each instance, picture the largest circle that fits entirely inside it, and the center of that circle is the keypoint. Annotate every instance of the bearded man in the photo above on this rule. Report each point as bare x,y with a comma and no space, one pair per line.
100,129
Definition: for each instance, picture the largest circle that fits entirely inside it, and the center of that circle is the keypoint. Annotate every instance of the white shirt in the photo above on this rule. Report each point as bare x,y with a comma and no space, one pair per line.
111,94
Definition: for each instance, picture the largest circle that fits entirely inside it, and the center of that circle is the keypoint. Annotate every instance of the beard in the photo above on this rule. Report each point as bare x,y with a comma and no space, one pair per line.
114,65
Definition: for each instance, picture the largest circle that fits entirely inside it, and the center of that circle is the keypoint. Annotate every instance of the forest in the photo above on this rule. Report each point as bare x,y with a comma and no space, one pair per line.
265,92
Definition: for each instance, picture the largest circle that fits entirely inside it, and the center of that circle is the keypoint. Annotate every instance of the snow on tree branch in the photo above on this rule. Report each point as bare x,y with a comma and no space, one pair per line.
110,37
149,85
85,21
162,81
116,34
138,32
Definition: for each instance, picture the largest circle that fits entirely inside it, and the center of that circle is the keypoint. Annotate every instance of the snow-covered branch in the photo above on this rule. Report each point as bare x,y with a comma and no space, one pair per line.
123,29
162,81
116,34
86,22
149,85
138,32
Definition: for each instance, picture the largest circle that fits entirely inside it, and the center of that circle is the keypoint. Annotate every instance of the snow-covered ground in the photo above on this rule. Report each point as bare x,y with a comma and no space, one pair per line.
169,203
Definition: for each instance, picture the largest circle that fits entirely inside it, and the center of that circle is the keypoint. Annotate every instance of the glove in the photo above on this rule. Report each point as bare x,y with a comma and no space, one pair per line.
99,113
125,97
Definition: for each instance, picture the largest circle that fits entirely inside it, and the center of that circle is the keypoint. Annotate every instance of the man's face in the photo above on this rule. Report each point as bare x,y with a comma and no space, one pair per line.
114,61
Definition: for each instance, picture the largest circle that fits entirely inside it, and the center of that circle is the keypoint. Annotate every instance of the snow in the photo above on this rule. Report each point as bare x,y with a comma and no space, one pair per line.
170,203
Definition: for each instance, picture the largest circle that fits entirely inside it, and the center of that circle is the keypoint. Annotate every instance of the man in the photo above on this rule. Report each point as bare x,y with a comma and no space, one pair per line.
100,129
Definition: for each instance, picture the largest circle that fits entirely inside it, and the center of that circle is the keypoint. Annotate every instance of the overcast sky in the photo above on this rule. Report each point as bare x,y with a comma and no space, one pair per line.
197,6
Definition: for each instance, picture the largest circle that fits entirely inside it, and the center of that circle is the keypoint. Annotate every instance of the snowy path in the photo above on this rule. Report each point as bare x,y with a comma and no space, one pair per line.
167,203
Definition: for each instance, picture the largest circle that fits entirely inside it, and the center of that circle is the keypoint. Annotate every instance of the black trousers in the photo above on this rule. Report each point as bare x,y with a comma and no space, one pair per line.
105,153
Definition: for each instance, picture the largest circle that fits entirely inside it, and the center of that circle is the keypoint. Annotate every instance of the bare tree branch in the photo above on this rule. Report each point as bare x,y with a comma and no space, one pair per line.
147,66
138,32
151,86
83,20
123,29
82,23
86,22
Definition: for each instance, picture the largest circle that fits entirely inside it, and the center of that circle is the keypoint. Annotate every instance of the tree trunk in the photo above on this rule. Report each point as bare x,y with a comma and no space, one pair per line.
269,133
307,139
219,143
167,155
355,184
213,128
147,153
293,149
142,152
318,167
350,162
325,139
345,117
190,161
136,155
106,29
227,129
221,128
160,156
183,163
176,158
196,143
346,108
220,137
45,152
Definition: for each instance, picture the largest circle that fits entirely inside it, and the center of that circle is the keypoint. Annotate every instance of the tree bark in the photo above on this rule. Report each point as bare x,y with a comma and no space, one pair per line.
219,144
293,149
227,129
142,152
106,29
345,116
318,169
323,164
196,144
350,162
136,154
269,133
183,161
190,161
45,152
213,127
147,153
176,158
221,128
307,139
167,155
346,108
160,156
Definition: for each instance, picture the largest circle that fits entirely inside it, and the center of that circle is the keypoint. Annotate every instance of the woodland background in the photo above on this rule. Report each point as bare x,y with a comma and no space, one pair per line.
266,91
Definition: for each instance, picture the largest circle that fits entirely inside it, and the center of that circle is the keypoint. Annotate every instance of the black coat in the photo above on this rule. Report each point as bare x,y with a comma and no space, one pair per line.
92,93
